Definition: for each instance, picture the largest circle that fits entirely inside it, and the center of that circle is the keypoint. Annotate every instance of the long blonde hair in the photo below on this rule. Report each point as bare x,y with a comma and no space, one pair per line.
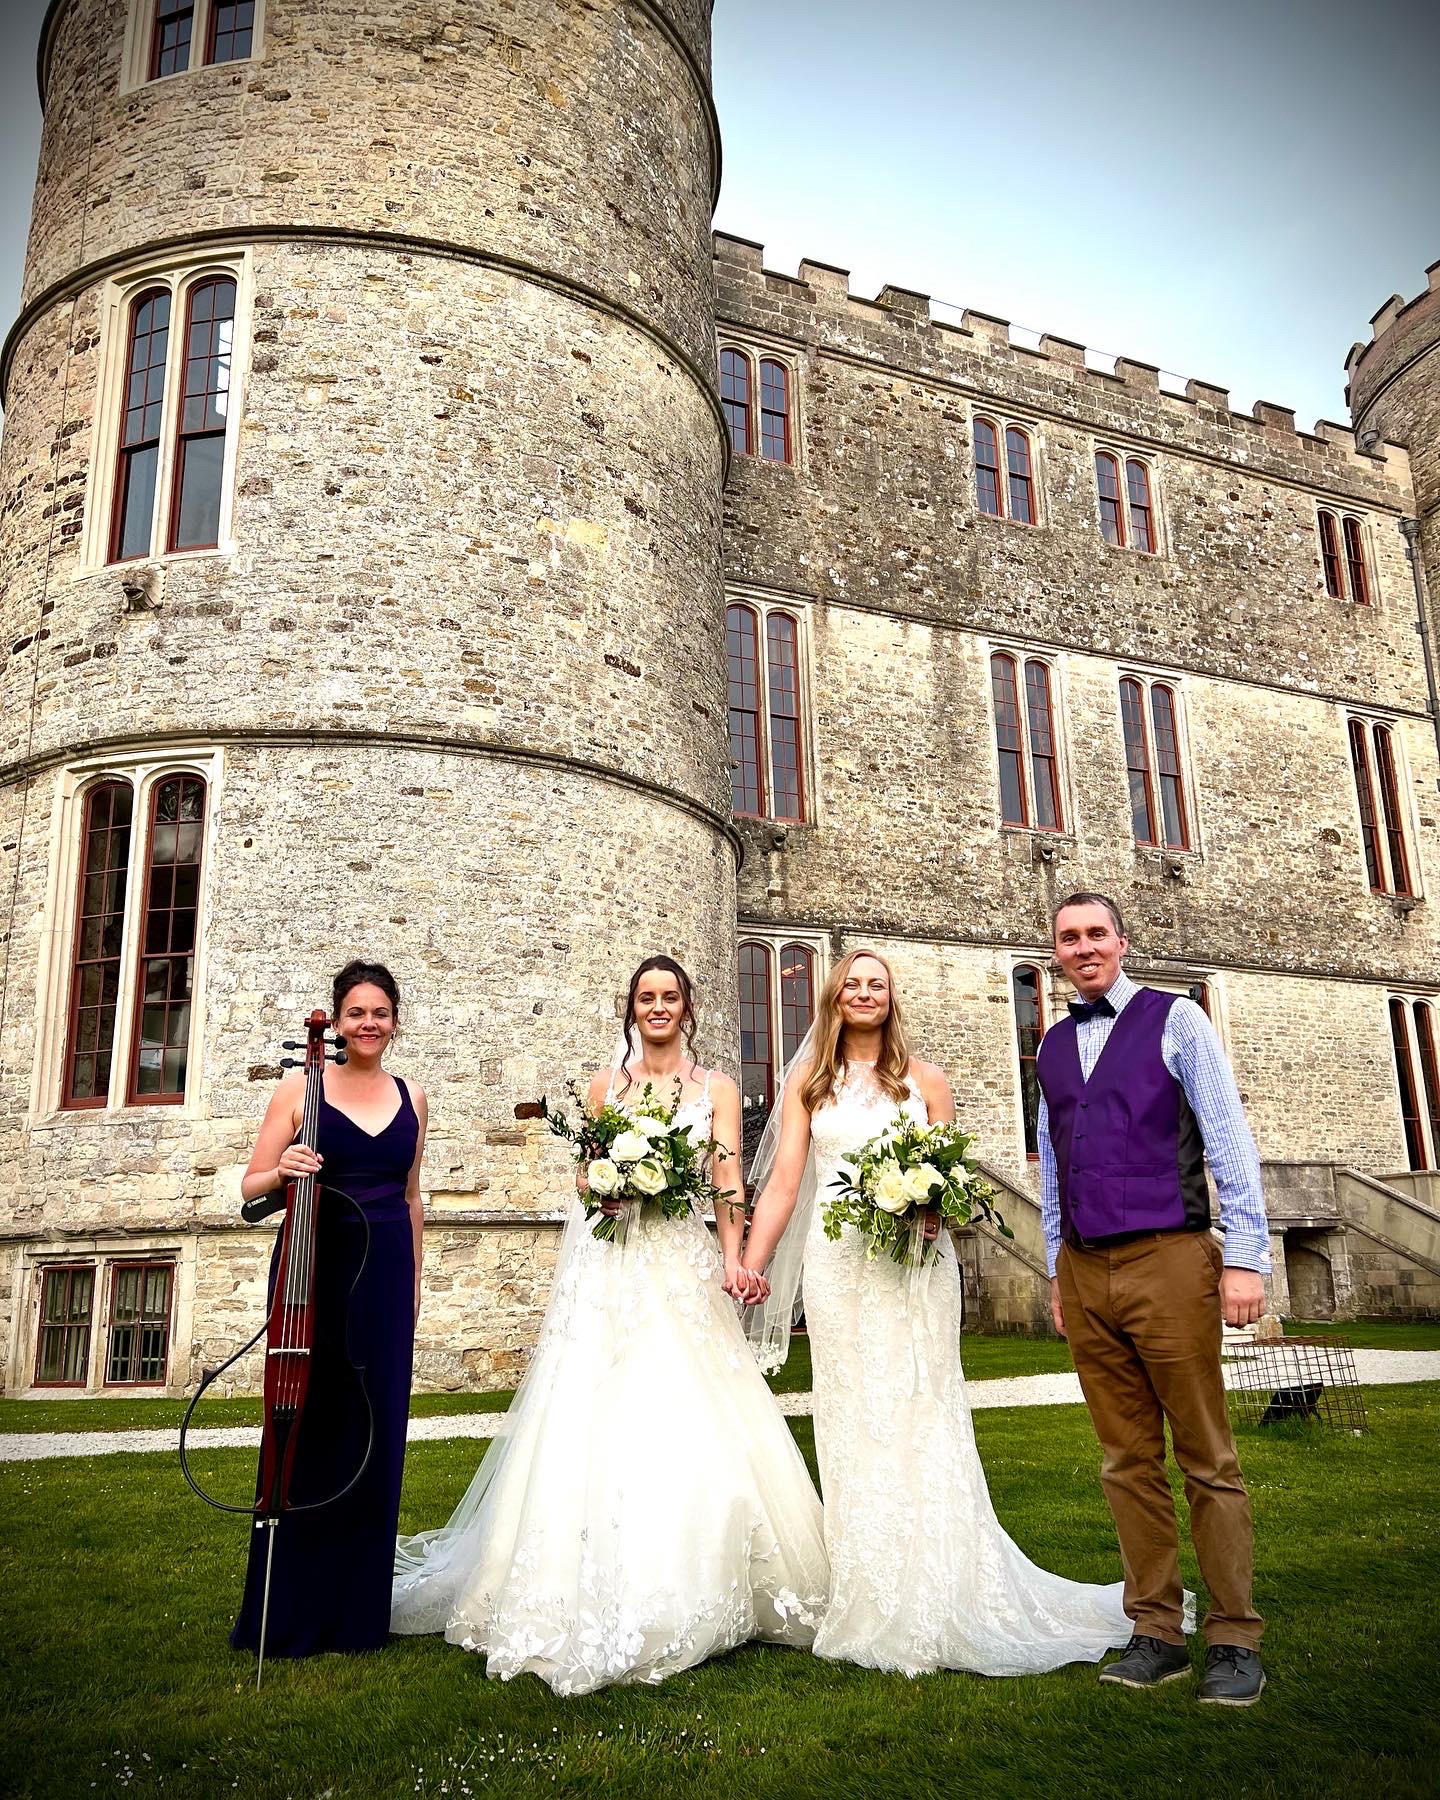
828,1067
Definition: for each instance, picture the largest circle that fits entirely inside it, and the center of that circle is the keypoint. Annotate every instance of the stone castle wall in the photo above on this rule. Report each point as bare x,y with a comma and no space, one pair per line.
458,668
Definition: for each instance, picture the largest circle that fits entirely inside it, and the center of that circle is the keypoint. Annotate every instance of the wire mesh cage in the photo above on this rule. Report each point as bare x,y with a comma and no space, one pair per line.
1310,1379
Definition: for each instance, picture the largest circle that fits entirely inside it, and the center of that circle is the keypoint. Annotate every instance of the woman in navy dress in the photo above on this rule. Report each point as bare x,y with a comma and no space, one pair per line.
330,1585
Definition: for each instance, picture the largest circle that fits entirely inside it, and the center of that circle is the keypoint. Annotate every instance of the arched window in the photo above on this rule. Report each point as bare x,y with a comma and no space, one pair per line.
166,975
1014,497
204,406
1025,743
778,980
1156,776
757,1039
1330,556
1373,759
797,997
782,657
132,956
1021,483
1127,512
1342,556
176,412
769,739
774,411
1355,563
735,399
1026,997
99,935
138,457
1411,1119
1142,518
1107,480
1009,740
987,470
742,642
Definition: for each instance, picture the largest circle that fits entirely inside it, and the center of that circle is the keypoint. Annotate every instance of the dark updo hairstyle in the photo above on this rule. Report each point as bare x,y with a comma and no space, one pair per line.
687,994
359,973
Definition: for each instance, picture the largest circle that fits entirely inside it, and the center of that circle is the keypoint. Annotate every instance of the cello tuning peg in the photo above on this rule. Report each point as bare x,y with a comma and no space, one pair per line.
338,1041
339,1057
289,1062
290,1044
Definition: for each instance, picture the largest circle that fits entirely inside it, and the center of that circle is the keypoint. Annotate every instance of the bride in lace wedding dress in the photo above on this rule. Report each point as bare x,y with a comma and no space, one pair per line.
923,1575
644,1506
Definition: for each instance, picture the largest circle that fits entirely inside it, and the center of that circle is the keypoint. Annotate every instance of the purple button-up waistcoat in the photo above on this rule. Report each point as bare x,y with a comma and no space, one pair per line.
1128,1150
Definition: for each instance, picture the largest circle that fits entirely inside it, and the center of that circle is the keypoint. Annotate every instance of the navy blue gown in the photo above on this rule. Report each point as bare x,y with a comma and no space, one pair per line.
330,1584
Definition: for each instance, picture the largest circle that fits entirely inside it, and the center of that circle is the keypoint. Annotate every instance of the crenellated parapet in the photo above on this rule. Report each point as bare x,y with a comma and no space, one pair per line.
1402,332
933,339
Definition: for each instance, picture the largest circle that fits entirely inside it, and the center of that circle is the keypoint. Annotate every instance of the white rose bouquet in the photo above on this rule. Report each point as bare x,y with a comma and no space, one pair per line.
908,1168
636,1152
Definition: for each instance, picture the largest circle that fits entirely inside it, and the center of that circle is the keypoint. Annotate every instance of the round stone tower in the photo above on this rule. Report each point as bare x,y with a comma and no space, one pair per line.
1394,396
361,468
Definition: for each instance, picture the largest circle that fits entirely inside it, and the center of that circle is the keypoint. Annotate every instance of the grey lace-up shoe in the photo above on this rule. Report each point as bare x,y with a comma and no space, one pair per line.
1233,1677
1146,1662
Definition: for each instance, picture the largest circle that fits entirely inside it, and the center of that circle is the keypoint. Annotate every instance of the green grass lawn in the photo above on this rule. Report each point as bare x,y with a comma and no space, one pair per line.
1370,1334
118,1589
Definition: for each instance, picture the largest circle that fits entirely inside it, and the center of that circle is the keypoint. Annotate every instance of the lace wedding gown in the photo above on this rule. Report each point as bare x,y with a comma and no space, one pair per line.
645,1506
923,1575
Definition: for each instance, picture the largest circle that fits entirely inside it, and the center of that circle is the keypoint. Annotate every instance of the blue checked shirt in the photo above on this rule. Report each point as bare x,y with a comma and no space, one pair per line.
1192,1053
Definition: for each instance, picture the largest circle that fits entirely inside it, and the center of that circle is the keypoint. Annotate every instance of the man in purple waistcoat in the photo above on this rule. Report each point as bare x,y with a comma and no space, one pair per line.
1137,1096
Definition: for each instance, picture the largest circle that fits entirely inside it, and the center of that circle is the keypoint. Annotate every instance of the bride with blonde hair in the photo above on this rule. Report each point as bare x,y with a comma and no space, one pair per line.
923,1576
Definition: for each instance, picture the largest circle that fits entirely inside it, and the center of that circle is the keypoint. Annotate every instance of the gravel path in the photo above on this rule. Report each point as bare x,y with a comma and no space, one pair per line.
1375,1368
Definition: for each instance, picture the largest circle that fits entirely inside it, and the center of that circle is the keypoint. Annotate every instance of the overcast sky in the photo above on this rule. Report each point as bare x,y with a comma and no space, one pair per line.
1228,188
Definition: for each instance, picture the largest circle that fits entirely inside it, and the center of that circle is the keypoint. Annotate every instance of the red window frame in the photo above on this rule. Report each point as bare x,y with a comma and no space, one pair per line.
239,23
1112,511
1199,992
1355,562
142,418
1164,717
1019,476
757,1043
782,679
169,929
742,647
106,921
1134,726
1009,738
204,383
1365,796
1424,1015
987,470
1391,810
1044,759
1405,1081
736,388
797,997
1028,1033
65,1325
774,411
1142,511
170,38
140,1322
1330,555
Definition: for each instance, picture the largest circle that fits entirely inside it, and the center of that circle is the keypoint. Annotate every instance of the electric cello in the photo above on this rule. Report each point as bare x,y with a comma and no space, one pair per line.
289,1331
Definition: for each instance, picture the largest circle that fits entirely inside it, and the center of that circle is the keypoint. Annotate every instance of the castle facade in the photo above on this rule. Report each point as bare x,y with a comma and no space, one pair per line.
420,536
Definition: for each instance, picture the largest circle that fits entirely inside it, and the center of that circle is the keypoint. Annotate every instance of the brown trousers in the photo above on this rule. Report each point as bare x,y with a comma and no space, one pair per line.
1143,1320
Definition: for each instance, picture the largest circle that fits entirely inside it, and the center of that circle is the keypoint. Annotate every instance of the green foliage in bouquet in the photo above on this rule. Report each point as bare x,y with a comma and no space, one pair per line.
898,1175
638,1153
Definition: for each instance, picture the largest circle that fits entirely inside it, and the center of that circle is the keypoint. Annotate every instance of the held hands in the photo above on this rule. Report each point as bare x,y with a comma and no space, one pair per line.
1242,1296
746,1286
929,1224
